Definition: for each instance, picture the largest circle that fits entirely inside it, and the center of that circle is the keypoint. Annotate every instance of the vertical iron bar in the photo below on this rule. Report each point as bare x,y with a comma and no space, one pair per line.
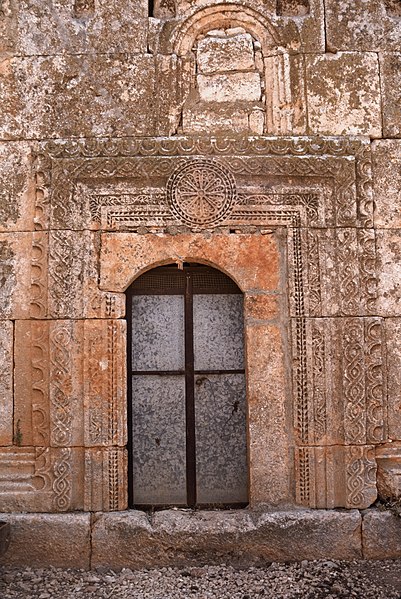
190,393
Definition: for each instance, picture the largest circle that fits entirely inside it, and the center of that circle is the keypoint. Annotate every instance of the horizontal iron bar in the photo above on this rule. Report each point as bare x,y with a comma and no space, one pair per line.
175,372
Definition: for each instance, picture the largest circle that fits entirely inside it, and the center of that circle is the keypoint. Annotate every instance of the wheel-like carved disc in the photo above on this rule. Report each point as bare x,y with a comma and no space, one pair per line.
201,192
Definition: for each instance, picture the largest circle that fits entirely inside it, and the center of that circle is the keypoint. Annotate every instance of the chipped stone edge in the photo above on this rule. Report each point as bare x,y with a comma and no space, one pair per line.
268,532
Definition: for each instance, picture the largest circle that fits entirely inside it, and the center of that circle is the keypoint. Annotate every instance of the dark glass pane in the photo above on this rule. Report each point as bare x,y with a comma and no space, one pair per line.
218,332
158,438
158,332
221,462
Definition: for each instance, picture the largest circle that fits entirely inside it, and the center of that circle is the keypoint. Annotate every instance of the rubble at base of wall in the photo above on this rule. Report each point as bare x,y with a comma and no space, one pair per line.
241,538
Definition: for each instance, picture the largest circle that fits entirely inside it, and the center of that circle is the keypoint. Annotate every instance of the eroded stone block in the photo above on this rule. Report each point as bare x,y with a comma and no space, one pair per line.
390,79
16,188
388,457
389,271
39,479
43,540
268,419
105,483
387,183
101,96
344,398
31,387
343,94
361,26
184,539
6,382
230,87
251,260
73,272
340,272
15,274
86,27
381,535
229,53
70,383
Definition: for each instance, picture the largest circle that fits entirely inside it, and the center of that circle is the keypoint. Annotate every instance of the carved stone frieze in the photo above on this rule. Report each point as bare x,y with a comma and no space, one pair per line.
40,479
31,388
91,177
346,384
340,271
72,279
105,485
70,383
336,476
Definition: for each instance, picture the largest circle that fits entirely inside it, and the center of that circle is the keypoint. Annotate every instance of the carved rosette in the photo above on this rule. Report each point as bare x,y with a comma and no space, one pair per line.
201,192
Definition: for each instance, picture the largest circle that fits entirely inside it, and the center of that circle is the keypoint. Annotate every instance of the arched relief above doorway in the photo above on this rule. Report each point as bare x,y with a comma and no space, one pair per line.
235,71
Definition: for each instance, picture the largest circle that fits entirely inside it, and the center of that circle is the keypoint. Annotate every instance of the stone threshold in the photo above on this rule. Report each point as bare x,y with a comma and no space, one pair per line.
182,538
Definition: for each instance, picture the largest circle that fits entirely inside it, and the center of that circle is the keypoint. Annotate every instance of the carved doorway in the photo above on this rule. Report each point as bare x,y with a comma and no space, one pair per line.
187,399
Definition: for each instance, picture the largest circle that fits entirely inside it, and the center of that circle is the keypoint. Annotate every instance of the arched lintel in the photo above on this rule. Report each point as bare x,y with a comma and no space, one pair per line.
224,16
179,260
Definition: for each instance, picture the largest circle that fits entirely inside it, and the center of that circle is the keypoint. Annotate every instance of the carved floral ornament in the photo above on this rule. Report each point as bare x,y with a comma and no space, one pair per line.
201,192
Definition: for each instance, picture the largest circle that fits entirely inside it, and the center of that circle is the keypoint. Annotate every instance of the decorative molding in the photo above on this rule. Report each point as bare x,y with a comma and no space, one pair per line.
61,342
62,483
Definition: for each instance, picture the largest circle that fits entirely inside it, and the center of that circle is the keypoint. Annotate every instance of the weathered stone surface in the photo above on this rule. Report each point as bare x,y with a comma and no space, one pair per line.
6,382
15,274
252,261
361,26
70,384
381,535
268,418
41,479
16,188
230,87
216,54
179,538
108,27
390,80
343,94
105,479
42,540
388,457
389,269
393,341
220,117
387,183
100,96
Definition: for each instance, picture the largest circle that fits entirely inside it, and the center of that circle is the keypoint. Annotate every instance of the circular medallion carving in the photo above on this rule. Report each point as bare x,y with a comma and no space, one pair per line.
201,192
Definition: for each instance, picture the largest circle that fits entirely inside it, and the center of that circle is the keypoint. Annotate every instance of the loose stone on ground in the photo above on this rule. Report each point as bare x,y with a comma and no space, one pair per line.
309,580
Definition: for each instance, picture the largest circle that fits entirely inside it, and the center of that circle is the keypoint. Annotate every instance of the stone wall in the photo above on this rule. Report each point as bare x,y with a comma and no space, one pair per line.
292,110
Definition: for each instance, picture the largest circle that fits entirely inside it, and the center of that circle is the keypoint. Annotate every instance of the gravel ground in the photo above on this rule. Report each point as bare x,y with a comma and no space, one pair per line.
309,580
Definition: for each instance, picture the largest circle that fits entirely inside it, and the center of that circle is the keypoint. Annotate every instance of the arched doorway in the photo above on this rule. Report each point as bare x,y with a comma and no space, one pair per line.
186,380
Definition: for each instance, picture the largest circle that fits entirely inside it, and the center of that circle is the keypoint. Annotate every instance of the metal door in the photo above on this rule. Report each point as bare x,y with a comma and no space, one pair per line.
187,389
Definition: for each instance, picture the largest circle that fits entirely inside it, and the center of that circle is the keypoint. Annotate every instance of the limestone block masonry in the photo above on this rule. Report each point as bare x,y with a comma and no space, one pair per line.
262,138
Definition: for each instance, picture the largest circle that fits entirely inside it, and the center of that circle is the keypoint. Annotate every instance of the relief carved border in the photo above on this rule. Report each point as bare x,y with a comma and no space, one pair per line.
345,167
